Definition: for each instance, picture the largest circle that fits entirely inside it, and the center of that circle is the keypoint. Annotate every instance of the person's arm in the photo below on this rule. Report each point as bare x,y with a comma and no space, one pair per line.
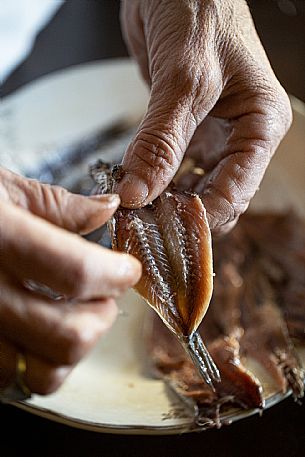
207,72
37,245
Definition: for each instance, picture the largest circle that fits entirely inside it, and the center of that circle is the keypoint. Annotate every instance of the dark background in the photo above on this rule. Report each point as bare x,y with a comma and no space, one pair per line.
87,30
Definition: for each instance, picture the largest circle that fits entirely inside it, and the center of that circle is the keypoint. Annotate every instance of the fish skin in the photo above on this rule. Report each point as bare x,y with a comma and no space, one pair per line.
254,249
237,383
257,310
168,361
283,261
172,240
275,351
268,275
222,329
228,333
136,233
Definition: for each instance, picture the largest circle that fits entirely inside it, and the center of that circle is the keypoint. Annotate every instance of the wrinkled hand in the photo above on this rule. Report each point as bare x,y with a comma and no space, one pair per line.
207,72
37,244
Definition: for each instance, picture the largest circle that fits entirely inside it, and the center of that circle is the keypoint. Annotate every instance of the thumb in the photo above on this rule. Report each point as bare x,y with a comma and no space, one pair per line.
155,154
73,212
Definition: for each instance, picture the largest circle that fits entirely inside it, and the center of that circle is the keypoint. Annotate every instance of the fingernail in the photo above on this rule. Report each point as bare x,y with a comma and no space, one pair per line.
132,190
107,200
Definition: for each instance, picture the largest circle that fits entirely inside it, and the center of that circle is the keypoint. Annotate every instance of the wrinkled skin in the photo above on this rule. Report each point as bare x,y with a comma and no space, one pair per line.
37,243
213,96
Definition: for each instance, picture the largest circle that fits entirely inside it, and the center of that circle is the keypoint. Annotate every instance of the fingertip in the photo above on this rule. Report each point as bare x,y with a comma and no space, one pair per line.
94,211
106,200
137,269
129,269
133,191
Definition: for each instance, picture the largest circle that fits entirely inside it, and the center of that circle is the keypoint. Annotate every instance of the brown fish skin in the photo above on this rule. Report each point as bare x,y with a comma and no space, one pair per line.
266,337
169,361
189,247
283,261
156,234
237,382
222,329
273,350
172,240
245,318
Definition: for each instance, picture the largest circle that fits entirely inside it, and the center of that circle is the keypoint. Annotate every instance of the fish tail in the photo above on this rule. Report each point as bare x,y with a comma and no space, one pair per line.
201,358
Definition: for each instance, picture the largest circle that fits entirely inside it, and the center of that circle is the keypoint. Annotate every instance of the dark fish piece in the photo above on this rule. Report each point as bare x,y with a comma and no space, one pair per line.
222,329
257,298
283,262
266,336
270,276
172,240
169,361
238,386
224,316
249,315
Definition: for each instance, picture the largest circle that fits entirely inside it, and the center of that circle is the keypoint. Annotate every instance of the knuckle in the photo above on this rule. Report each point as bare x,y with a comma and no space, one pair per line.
188,81
277,103
48,195
270,99
74,345
81,330
225,208
194,87
55,198
224,229
59,193
51,200
157,150
206,90
285,110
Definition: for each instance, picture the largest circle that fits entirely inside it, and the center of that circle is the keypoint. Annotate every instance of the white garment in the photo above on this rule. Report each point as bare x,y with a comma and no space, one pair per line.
20,21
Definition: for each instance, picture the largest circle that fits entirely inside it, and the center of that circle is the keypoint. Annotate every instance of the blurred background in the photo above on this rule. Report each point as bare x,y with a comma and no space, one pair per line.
88,30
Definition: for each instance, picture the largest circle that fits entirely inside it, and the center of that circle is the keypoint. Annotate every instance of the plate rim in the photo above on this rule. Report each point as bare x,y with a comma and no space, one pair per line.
229,417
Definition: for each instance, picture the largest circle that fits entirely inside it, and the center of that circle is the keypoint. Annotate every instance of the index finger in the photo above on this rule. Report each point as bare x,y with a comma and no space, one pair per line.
32,248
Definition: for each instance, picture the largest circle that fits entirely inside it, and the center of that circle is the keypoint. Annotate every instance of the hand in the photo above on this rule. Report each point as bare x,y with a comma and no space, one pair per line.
36,244
207,70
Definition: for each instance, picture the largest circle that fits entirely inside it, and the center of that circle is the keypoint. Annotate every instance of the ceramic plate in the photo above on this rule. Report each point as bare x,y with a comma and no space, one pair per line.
110,390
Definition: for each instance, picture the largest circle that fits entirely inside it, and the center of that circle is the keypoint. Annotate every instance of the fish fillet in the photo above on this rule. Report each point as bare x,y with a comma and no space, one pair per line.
171,238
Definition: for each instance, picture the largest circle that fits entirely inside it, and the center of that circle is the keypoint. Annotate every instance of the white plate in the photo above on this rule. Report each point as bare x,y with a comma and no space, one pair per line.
109,390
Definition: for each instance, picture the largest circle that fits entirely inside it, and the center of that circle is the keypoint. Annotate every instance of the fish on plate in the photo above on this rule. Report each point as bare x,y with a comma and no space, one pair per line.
172,240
